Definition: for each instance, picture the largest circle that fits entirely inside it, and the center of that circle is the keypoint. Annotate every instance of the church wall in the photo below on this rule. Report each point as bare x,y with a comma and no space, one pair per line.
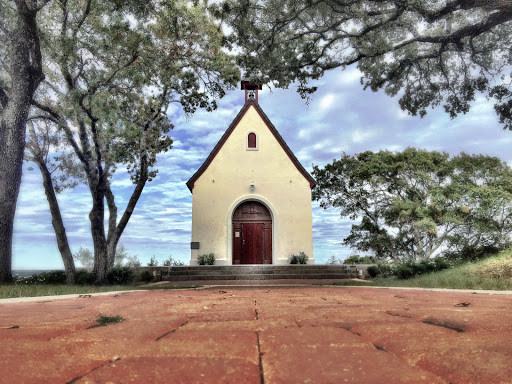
277,183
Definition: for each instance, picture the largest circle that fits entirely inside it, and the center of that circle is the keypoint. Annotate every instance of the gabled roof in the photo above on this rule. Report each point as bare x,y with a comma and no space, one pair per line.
245,108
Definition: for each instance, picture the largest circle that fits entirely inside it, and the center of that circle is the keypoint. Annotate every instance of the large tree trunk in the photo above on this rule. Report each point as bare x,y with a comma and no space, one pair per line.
26,74
96,216
58,224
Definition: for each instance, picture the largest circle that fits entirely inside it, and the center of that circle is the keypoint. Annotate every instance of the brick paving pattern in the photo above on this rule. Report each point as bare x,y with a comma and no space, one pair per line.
261,335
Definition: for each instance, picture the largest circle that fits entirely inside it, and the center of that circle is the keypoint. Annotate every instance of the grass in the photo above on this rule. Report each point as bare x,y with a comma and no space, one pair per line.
34,290
104,320
493,273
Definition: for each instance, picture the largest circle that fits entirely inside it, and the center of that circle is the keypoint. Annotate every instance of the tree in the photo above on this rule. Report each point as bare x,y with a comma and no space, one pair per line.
85,257
41,137
20,75
415,204
429,52
113,69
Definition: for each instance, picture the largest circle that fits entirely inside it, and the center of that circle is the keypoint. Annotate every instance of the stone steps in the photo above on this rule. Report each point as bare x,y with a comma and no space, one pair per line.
259,272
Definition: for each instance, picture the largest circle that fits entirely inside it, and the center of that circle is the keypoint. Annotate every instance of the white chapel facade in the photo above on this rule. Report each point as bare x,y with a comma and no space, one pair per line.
251,198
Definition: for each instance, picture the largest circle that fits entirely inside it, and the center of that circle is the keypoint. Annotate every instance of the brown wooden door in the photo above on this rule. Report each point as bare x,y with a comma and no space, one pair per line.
252,243
252,234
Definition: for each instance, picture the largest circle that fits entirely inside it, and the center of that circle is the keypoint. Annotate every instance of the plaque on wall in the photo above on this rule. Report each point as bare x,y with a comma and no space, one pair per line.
194,245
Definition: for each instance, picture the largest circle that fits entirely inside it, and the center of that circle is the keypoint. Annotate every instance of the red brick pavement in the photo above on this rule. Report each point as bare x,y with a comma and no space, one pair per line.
261,335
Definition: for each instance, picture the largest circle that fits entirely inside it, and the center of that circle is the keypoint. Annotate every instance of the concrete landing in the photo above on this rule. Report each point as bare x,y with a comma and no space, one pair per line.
259,272
261,335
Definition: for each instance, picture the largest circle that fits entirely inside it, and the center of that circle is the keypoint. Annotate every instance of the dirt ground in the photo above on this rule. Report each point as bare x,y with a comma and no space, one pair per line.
260,335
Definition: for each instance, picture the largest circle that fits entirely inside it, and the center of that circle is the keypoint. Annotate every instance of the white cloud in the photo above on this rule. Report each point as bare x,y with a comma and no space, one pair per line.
360,135
349,76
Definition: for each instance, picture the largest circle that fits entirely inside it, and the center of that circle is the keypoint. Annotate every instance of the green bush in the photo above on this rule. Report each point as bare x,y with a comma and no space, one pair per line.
441,263
356,259
302,258
53,277
84,278
403,271
120,275
206,259
373,271
474,253
411,269
385,269
146,277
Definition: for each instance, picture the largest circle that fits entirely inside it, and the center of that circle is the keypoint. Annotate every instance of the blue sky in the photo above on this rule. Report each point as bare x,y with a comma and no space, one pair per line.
340,118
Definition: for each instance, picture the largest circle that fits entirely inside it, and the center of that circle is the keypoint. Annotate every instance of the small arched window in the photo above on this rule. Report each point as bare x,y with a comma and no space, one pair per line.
252,141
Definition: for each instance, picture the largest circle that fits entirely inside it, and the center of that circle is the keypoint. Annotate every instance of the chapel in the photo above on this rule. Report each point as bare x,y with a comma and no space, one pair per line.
251,198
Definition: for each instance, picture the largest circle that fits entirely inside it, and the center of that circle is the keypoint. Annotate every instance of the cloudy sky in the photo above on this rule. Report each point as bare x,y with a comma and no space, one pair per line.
340,118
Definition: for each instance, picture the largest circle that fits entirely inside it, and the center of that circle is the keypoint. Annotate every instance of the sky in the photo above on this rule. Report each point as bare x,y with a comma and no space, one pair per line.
341,117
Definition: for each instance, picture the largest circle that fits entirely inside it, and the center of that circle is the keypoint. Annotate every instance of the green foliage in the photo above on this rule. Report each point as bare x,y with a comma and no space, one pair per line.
206,259
112,69
382,269
414,203
146,276
301,258
84,278
430,53
483,274
171,262
373,271
153,262
120,275
104,320
412,269
385,269
473,253
356,259
51,277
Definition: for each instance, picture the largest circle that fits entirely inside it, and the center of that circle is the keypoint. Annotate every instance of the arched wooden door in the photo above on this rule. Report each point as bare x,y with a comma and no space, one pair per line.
252,234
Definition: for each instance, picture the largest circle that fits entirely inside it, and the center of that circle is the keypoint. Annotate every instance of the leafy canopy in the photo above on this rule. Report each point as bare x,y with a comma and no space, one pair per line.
414,204
429,52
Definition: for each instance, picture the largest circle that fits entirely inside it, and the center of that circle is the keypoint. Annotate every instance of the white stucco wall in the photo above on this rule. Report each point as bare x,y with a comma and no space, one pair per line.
278,184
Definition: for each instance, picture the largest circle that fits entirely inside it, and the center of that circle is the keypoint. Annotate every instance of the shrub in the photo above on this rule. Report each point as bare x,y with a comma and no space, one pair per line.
51,277
411,268
146,277
54,277
469,253
84,278
385,269
356,259
206,259
403,271
120,275
373,271
302,258
171,262
441,263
